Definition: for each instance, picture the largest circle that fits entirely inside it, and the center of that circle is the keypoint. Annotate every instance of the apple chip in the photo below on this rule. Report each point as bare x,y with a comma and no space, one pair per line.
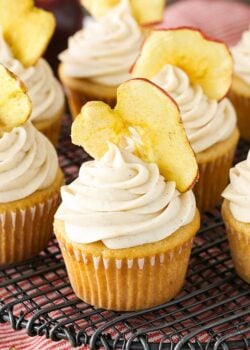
27,29
148,11
15,105
144,11
153,116
207,62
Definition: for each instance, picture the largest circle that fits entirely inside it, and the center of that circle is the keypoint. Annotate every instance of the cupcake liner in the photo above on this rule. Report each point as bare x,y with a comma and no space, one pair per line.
77,99
25,232
239,242
26,225
120,281
126,284
213,177
81,91
51,128
242,106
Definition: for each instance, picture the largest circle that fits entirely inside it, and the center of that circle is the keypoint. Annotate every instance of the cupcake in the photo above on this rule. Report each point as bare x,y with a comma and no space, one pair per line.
99,56
44,89
125,230
196,72
30,177
236,215
239,92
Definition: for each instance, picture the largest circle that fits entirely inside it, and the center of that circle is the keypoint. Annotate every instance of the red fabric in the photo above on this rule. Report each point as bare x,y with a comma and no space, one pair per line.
223,20
219,19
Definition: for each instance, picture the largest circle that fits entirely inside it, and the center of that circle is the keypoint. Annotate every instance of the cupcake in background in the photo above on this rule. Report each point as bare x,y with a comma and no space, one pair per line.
236,215
125,230
196,71
99,57
45,91
239,92
30,177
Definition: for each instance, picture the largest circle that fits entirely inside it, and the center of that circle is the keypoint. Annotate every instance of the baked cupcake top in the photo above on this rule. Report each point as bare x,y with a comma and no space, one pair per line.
105,49
241,56
124,202
43,88
205,120
28,163
238,191
197,72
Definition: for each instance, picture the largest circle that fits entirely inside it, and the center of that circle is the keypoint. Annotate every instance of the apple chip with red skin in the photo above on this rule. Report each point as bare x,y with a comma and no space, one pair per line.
207,62
153,116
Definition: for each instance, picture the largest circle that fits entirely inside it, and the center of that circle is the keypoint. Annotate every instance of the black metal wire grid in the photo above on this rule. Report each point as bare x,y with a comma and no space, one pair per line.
212,311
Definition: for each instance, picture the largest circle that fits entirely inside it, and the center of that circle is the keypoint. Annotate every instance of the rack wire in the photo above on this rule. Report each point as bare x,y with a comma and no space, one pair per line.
212,311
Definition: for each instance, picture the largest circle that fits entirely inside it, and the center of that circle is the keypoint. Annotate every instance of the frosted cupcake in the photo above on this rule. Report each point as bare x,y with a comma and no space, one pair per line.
125,241
29,193
236,215
99,56
30,177
239,92
196,72
125,230
43,88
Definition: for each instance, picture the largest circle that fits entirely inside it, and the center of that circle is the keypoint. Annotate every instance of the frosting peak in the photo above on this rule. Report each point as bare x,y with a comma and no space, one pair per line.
104,50
28,163
206,121
44,90
124,202
241,56
238,191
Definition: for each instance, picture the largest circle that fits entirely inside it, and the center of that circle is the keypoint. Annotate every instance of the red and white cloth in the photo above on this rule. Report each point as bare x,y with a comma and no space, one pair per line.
220,19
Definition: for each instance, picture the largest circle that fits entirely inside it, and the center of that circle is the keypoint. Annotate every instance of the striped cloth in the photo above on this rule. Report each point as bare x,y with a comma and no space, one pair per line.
223,20
219,19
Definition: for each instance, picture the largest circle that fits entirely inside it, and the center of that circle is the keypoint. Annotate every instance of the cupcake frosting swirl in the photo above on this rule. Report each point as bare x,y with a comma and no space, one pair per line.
104,50
206,121
28,162
238,191
44,90
241,56
123,202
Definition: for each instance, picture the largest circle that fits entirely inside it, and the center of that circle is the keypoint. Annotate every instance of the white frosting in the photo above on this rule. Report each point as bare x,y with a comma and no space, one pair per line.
105,50
238,191
28,162
124,202
241,56
206,121
44,90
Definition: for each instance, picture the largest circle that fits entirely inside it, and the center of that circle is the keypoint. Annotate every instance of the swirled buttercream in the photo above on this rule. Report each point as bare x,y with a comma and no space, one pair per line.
28,162
238,191
241,56
44,90
104,50
206,121
123,202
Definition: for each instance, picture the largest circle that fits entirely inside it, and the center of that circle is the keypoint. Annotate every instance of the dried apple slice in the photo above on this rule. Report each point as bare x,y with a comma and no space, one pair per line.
144,11
10,10
15,105
207,62
26,29
148,11
154,116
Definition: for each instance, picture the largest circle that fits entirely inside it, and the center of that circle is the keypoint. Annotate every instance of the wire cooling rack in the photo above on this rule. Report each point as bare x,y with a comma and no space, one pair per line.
212,311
